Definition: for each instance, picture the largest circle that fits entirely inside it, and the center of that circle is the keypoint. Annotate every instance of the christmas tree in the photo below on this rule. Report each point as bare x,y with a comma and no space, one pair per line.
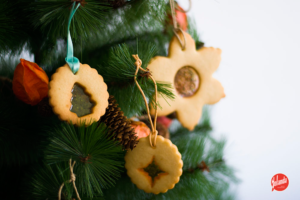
79,121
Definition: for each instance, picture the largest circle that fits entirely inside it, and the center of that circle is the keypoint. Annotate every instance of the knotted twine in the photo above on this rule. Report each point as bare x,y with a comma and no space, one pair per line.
138,64
176,28
72,179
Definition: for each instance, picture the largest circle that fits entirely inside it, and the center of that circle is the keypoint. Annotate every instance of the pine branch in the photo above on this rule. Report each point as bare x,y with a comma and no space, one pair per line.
194,148
13,30
21,132
99,160
52,17
43,182
7,66
138,18
198,186
125,189
118,72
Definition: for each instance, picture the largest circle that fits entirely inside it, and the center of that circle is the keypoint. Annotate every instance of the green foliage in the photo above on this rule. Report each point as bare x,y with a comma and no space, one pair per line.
203,127
118,72
7,66
195,146
198,185
45,32
138,18
52,17
43,182
99,160
13,30
192,30
21,132
38,149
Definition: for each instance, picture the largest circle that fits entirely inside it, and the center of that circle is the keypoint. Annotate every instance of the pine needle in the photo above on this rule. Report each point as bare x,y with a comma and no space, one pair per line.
98,159
118,72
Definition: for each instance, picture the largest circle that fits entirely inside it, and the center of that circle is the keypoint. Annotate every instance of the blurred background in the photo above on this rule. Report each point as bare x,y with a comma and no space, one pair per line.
260,72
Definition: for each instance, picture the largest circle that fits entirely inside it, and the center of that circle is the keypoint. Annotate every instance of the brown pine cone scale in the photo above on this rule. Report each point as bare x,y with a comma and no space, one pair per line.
119,126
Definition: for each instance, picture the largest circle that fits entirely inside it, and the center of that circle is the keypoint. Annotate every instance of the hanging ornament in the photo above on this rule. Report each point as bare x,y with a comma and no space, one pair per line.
120,126
162,125
86,86
165,121
155,165
154,170
190,72
77,92
140,129
30,82
181,17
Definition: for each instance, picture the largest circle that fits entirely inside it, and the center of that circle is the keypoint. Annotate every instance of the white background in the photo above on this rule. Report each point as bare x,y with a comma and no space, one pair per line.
260,71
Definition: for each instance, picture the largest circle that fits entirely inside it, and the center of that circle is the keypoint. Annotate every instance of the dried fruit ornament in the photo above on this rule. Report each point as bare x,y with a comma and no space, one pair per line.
30,82
181,17
140,129
155,165
77,92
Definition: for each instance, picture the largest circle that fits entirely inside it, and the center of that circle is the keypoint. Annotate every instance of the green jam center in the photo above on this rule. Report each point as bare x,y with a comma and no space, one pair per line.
81,103
153,170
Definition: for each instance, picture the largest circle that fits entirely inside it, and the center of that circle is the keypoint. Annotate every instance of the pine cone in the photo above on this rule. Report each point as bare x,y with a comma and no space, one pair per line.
119,125
6,87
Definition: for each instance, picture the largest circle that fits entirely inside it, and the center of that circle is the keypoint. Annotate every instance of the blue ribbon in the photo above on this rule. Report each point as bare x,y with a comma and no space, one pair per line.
72,61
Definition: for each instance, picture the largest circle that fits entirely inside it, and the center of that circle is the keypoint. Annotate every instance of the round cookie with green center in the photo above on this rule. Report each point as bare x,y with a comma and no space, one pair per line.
61,88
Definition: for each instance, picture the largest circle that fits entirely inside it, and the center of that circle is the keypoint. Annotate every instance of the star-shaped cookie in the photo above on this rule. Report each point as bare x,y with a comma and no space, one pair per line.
202,87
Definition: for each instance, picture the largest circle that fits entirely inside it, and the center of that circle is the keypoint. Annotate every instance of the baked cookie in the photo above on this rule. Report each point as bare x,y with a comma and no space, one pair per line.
87,79
154,169
190,73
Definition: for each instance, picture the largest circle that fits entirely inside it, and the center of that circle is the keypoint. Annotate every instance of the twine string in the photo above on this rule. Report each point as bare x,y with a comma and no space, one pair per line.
138,64
172,5
72,179
175,25
182,44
